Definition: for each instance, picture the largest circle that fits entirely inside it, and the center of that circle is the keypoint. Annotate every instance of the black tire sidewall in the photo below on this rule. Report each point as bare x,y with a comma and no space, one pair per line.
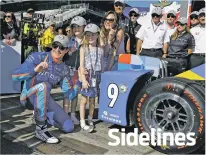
160,86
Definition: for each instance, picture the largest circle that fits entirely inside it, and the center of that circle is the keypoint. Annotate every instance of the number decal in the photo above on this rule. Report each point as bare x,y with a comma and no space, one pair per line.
112,93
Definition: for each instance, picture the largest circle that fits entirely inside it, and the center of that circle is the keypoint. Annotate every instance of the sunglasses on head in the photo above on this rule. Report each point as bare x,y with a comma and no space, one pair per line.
133,14
109,20
155,15
118,4
55,45
193,17
170,15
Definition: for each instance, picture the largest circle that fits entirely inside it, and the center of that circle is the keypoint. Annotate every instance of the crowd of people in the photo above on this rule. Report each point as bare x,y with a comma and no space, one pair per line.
77,57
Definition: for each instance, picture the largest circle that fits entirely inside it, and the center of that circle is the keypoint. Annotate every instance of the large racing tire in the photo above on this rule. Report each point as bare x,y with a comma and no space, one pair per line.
173,105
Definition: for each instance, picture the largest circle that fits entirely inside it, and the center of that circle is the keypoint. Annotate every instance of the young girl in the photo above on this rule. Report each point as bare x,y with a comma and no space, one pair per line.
72,60
91,59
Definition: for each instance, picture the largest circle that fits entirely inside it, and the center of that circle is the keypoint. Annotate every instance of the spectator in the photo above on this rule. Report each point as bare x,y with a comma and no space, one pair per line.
30,34
134,27
112,40
153,37
91,59
48,37
45,70
194,21
119,6
69,32
198,56
123,21
60,31
10,31
72,60
181,45
30,12
171,17
2,15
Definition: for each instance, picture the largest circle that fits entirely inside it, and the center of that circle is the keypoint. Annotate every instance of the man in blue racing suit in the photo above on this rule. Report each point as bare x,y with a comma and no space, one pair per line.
40,72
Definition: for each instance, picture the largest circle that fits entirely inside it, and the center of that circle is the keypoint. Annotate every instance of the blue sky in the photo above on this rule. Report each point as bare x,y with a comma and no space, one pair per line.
142,3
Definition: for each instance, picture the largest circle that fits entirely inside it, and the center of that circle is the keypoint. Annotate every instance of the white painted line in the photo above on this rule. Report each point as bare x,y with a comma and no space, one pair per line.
34,144
9,96
14,107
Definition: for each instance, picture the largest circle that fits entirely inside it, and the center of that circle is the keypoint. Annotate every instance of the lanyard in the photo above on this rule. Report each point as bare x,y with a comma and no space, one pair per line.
96,57
156,27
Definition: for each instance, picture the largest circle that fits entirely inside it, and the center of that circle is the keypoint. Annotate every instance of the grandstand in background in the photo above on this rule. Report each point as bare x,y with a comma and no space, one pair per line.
63,10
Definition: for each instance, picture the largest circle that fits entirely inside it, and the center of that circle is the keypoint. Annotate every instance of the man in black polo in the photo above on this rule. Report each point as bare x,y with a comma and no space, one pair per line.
133,28
123,22
119,6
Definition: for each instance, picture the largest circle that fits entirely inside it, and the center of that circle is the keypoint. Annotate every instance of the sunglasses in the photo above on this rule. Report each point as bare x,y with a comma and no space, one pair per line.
118,4
7,16
68,31
170,15
109,20
155,15
133,14
55,45
194,17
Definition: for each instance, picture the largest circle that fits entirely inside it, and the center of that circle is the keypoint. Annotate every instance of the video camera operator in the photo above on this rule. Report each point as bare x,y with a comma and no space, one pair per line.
31,32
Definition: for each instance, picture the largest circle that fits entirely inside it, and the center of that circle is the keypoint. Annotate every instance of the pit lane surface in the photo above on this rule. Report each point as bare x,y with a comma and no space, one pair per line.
17,127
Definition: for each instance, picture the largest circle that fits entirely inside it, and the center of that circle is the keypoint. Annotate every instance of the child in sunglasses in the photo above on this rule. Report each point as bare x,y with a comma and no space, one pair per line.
40,72
91,58
72,60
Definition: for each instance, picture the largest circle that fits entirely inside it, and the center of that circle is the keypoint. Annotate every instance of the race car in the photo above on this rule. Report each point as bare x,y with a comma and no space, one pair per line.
139,93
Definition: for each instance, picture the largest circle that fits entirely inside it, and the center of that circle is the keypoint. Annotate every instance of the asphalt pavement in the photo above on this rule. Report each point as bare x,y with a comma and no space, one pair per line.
17,135
9,147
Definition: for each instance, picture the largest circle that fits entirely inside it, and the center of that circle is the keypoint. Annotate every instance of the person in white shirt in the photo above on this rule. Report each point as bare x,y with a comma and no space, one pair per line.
153,37
198,56
171,16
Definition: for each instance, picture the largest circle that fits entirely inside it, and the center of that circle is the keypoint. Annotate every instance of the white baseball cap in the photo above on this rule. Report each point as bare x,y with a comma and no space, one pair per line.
134,10
194,13
121,1
92,28
157,10
182,20
172,12
78,20
62,39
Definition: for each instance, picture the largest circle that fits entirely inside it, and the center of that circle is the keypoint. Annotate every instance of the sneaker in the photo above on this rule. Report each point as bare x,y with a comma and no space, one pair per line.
74,120
44,135
88,128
